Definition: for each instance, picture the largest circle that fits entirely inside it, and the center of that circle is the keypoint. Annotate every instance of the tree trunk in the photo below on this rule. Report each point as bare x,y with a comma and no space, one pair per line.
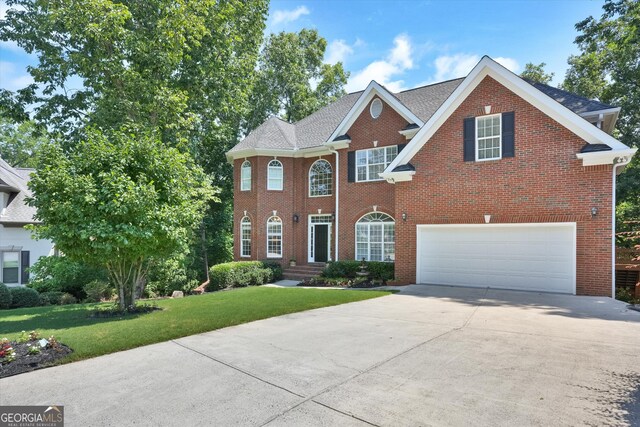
129,279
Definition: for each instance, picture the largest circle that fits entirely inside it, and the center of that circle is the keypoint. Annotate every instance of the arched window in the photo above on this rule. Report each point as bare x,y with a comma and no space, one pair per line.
320,178
245,176
274,237
245,237
274,175
376,237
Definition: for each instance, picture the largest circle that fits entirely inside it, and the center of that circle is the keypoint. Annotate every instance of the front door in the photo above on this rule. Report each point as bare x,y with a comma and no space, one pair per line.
321,243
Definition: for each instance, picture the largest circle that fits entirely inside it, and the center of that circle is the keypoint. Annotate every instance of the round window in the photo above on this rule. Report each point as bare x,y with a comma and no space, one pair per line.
376,108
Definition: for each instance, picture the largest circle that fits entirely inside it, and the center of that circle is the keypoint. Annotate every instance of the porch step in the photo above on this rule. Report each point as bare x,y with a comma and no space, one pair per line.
302,272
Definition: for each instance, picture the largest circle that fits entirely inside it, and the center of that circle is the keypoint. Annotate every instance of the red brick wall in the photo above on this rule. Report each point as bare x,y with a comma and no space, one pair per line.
544,182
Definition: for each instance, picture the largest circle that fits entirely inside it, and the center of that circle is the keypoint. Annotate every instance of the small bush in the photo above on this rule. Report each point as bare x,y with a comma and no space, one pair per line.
52,297
338,269
24,297
238,274
5,296
169,275
275,267
60,274
97,291
381,270
68,299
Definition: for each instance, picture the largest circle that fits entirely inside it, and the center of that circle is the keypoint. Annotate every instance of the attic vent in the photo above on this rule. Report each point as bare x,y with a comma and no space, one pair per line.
376,108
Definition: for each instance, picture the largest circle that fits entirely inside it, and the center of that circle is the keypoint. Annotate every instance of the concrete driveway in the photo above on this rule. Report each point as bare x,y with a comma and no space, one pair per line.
429,355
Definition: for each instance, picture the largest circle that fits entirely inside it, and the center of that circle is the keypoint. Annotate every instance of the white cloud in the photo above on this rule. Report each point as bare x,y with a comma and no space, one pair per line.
460,64
286,16
11,80
509,63
384,71
337,51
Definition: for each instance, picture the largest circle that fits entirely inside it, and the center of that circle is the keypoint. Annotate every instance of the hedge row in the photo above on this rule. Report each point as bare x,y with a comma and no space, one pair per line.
19,297
243,273
377,270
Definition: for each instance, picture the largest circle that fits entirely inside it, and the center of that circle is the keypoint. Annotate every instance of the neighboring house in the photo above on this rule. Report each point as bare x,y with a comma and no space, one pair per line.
484,181
18,251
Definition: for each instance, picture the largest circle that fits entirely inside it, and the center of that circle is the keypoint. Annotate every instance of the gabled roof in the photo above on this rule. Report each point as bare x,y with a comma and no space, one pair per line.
14,181
548,105
577,104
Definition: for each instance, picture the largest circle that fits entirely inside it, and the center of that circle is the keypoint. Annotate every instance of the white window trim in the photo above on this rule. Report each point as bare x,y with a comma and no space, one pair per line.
2,253
477,149
246,165
309,179
269,168
379,178
243,223
323,220
368,224
274,255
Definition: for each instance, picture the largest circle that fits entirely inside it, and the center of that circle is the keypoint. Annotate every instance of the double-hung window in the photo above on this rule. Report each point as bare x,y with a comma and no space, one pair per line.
488,137
274,175
10,267
375,237
274,237
245,237
245,176
370,163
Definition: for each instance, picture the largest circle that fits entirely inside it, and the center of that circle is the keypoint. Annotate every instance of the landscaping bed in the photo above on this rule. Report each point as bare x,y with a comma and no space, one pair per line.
29,353
326,282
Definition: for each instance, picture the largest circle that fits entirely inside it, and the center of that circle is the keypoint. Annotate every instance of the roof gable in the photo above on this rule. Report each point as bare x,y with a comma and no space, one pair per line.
373,90
488,67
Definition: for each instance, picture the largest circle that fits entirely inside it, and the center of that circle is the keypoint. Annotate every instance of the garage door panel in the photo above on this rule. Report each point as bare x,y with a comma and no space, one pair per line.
514,256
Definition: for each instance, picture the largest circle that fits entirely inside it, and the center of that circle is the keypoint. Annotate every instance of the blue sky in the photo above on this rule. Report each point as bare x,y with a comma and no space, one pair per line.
404,44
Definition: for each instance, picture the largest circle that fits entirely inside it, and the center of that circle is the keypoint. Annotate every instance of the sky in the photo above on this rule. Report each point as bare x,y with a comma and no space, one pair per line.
406,44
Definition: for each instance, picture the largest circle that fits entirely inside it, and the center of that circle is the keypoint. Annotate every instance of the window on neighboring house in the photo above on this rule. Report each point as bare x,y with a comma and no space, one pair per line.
10,267
274,237
245,237
245,176
488,137
320,179
375,237
370,163
274,175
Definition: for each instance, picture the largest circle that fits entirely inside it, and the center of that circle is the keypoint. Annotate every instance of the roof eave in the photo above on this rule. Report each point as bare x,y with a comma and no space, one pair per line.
393,177
596,158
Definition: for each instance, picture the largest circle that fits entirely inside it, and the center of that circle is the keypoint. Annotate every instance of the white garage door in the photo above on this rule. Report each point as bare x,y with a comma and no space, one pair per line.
535,257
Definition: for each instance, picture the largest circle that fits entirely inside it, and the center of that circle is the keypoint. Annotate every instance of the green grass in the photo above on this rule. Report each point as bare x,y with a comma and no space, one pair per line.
90,337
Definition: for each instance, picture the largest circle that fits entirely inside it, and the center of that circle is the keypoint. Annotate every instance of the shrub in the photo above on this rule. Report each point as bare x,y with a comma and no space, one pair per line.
97,291
5,297
60,274
381,270
52,297
275,267
68,299
24,297
238,274
169,275
338,269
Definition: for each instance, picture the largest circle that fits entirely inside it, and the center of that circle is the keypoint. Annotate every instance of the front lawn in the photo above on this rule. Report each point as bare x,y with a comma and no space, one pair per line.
90,337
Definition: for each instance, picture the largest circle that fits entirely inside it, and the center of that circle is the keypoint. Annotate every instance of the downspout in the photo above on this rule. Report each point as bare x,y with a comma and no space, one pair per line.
618,162
337,214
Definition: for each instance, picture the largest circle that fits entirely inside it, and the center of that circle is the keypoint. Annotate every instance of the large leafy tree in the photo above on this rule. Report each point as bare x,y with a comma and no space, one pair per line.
537,73
292,79
608,68
119,201
182,69
19,142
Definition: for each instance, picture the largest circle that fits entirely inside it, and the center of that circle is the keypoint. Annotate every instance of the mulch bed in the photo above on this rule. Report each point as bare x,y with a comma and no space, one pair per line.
26,362
319,282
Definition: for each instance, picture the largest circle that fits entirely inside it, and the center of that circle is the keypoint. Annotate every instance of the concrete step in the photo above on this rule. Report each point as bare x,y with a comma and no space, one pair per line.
300,277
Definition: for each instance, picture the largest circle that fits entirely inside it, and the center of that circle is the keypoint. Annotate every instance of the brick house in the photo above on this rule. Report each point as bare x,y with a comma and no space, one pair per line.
489,180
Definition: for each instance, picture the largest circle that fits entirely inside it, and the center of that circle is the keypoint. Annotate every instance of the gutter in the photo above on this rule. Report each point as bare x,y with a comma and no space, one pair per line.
337,214
618,162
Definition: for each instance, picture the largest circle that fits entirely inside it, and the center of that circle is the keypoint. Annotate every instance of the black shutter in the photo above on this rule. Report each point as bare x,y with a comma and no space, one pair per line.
401,147
351,166
469,139
508,140
24,267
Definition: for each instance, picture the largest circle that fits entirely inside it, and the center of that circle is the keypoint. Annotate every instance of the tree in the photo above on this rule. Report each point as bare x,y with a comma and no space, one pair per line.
537,73
19,142
608,69
181,69
119,200
289,67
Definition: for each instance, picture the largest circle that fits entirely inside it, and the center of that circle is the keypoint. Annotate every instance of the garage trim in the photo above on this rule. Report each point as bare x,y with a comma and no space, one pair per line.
500,225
